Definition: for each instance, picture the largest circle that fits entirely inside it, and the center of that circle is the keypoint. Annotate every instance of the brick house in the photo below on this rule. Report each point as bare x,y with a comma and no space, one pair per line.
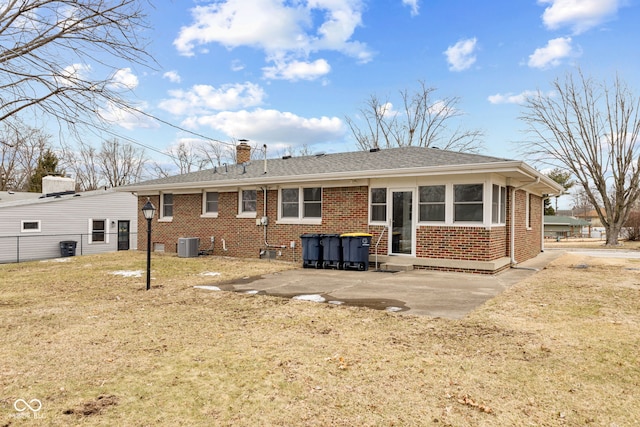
425,207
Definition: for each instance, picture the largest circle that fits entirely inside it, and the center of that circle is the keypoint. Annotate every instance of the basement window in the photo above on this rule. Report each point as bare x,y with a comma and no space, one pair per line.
30,226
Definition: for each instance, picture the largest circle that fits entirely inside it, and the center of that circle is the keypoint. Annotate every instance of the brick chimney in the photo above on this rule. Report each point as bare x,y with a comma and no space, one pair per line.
243,152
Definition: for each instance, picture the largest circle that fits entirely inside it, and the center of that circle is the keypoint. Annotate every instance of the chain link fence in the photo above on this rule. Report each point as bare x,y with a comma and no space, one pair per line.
15,249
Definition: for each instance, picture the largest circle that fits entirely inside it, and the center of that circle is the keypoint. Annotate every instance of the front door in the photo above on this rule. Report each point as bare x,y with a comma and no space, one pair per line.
123,235
402,223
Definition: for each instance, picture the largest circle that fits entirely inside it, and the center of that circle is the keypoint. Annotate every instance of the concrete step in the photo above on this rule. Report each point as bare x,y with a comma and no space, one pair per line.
390,266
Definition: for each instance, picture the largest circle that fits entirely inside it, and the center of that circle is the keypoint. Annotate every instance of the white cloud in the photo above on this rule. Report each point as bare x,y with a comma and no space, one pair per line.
552,54
579,15
297,70
282,29
124,79
205,98
413,4
127,118
272,126
172,76
73,73
510,98
461,55
237,65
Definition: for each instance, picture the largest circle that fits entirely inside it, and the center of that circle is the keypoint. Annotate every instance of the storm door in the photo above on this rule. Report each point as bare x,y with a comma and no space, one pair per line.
402,223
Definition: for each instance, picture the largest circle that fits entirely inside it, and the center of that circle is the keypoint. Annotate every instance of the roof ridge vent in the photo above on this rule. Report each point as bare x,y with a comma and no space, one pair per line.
288,156
374,150
320,154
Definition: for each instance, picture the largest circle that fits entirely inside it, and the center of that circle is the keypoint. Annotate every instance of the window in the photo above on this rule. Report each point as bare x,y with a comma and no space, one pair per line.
432,203
311,203
467,203
379,204
97,230
30,226
167,205
248,201
290,198
498,204
211,202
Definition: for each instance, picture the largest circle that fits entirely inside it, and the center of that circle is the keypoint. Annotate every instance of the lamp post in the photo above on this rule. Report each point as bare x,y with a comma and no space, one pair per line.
148,210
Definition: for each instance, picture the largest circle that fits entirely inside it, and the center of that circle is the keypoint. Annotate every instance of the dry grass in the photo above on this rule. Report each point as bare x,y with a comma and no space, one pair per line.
560,349
586,243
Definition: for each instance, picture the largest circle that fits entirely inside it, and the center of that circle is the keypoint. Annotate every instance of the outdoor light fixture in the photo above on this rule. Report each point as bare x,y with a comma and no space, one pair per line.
148,210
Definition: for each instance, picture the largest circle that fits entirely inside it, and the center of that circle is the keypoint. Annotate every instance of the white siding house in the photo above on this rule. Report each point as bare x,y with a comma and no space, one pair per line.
33,227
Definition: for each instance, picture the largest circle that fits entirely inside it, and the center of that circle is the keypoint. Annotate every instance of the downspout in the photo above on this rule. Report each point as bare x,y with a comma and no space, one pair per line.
512,248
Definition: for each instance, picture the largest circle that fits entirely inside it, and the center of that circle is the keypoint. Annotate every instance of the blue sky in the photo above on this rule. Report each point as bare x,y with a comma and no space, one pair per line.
286,73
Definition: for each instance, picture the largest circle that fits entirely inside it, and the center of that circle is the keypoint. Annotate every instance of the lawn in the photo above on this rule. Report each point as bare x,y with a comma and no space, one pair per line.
95,348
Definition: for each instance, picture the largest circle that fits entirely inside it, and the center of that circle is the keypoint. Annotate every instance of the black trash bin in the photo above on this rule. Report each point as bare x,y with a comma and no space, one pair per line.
355,250
311,251
68,248
331,251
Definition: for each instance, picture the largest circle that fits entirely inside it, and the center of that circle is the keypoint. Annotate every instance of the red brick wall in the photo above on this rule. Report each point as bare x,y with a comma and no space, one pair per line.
528,240
344,209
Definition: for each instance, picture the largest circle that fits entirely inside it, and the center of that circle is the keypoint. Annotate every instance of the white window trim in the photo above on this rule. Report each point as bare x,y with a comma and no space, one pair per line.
107,225
448,207
38,230
162,218
242,214
501,208
204,213
300,219
370,203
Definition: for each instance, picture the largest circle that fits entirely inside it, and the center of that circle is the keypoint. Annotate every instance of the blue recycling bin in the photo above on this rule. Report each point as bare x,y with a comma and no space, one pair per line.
311,251
355,250
331,250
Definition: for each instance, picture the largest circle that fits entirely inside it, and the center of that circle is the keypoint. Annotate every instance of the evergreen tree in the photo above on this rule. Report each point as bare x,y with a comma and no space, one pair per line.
47,165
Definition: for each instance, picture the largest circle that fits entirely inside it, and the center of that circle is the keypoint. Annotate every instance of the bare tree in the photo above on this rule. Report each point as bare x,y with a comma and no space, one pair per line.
121,163
592,129
20,150
423,121
51,52
84,164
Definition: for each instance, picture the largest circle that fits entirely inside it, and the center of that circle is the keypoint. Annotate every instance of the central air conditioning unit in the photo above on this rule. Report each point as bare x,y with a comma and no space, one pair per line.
188,247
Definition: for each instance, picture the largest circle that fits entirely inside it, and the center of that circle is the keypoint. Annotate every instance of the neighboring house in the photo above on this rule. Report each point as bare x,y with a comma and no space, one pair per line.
425,207
563,226
32,225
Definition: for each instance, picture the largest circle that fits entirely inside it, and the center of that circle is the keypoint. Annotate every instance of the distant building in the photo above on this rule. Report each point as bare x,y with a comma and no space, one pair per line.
33,225
563,226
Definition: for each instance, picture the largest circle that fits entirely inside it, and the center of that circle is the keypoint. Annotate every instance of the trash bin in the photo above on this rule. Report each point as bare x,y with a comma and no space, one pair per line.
355,250
68,248
331,251
311,251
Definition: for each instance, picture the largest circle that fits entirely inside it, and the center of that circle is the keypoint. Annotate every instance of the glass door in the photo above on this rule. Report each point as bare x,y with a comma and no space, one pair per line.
123,235
402,223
